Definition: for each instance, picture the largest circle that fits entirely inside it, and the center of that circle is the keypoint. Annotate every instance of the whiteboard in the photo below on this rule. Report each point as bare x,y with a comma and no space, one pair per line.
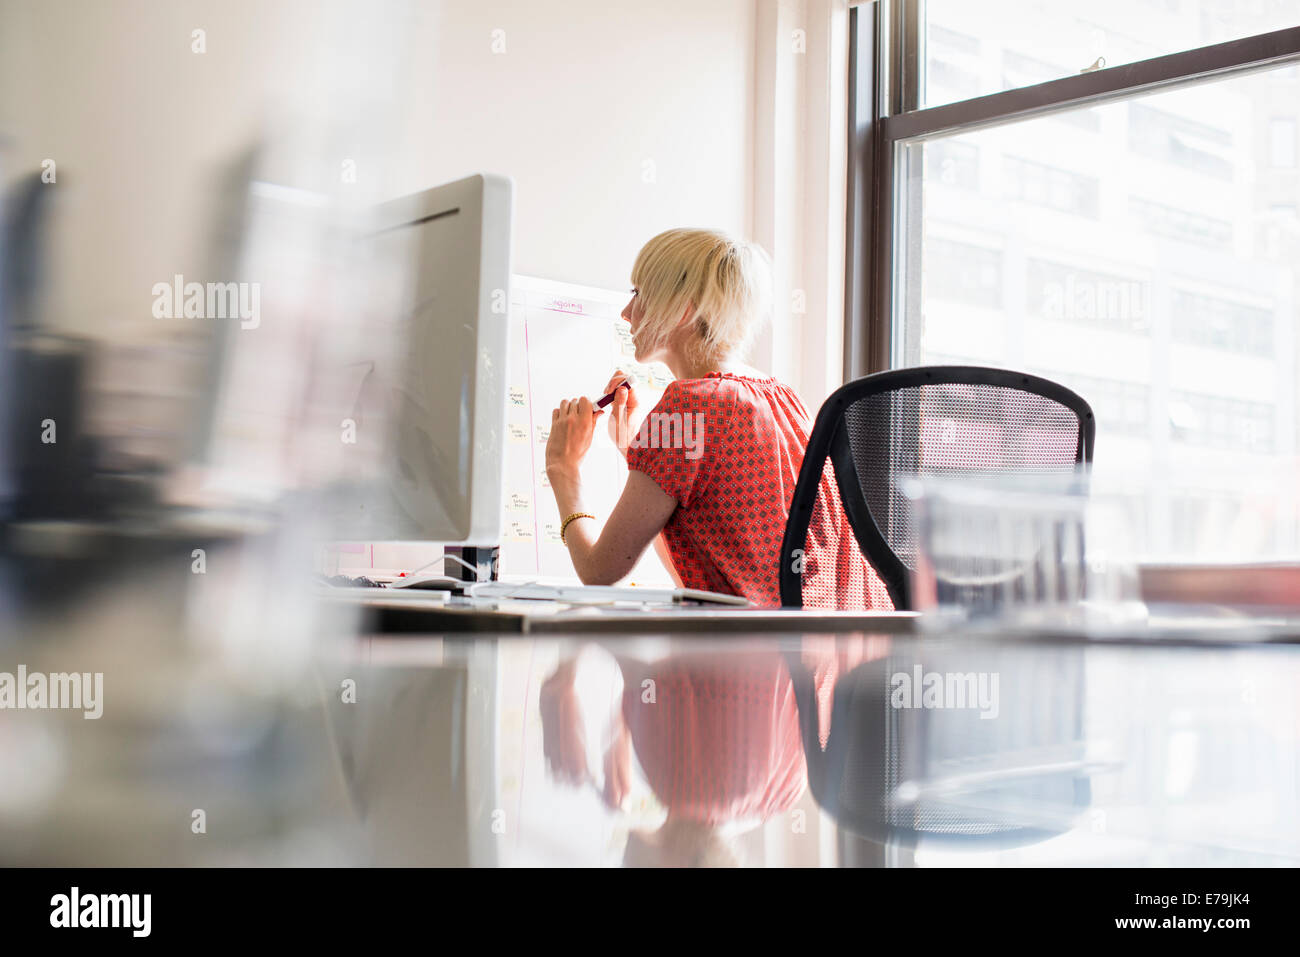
565,341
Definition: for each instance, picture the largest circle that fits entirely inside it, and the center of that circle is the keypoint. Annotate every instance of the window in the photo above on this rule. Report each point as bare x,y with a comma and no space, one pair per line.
1221,325
1099,300
955,61
1281,143
964,273
1122,275
1045,185
973,48
1220,422
1020,70
953,164
1179,141
1176,222
1125,406
1131,234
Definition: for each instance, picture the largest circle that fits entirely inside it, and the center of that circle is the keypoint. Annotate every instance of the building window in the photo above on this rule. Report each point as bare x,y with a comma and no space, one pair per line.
964,273
953,164
1130,233
1045,185
1100,300
1124,406
1186,225
1177,141
1220,324
1281,143
1222,423
1052,38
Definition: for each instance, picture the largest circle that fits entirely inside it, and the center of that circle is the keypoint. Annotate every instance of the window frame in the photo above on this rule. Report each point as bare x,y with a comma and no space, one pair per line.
886,57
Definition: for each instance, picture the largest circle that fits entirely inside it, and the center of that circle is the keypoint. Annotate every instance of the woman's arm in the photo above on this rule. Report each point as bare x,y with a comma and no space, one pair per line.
624,422
640,515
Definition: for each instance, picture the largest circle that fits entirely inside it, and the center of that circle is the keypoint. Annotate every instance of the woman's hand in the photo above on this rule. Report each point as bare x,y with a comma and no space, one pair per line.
622,420
618,766
563,741
572,425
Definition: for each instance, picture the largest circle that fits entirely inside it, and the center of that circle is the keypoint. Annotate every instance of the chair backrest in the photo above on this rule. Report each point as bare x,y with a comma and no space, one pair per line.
874,433
876,751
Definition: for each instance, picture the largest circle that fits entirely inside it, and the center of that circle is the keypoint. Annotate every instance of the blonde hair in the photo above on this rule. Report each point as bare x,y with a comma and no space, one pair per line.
724,283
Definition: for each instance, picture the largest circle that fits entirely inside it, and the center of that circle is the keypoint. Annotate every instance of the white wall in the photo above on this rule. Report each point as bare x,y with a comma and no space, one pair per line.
801,171
588,100
139,124
616,118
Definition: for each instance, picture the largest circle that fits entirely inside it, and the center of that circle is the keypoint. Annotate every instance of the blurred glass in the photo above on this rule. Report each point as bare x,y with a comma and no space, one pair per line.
1086,551
1028,548
170,312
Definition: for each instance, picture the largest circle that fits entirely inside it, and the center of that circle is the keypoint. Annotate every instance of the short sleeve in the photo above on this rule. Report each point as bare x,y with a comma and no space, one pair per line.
676,443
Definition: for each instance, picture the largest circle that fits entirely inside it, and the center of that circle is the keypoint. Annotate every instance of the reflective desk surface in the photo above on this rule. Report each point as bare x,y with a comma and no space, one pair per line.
818,750
250,725
413,612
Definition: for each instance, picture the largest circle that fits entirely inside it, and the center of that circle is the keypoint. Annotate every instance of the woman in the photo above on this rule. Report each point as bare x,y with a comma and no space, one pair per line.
713,466
718,743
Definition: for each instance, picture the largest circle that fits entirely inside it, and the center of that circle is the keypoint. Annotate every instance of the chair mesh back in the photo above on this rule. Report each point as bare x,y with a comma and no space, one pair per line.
834,572
948,428
875,433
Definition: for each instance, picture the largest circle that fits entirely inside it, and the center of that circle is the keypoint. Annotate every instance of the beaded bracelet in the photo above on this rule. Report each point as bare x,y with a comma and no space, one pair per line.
564,527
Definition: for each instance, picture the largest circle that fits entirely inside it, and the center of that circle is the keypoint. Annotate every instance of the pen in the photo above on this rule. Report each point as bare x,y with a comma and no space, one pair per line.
606,400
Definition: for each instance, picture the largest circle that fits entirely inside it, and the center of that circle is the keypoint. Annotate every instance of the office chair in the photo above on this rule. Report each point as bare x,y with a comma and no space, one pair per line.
874,433
947,779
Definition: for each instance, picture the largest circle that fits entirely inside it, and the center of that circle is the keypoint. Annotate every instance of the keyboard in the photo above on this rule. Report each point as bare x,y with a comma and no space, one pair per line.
601,594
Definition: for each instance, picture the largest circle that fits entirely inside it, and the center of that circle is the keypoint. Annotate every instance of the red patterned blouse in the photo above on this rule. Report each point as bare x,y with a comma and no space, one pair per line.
728,448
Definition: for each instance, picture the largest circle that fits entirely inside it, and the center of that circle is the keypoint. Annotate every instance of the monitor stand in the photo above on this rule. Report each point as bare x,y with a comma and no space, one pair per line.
482,557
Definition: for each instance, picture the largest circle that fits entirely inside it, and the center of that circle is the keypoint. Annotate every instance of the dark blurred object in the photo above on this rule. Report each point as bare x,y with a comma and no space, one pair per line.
6,374
48,457
343,581
26,221
52,460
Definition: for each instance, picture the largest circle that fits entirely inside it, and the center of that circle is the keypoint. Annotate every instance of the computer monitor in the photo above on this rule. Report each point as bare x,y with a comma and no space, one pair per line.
430,379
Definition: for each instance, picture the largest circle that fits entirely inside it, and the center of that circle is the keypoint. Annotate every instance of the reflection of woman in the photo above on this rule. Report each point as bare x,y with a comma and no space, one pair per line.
714,464
716,735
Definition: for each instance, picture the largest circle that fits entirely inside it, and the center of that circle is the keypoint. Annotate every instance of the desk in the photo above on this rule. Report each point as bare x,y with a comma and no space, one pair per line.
1105,754
413,615
1240,592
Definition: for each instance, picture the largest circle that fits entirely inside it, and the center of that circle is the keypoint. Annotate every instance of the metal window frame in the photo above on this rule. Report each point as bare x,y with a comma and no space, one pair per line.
886,76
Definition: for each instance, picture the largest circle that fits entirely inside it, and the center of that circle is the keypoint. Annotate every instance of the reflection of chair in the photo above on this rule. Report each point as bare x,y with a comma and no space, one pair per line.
945,776
875,432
